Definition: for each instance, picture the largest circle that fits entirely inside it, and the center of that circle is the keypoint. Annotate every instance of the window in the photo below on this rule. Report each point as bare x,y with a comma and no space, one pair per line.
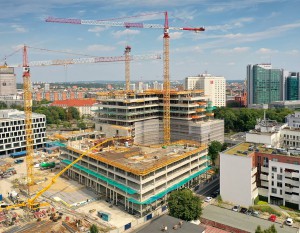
272,183
279,184
274,169
280,191
274,190
272,175
280,170
279,177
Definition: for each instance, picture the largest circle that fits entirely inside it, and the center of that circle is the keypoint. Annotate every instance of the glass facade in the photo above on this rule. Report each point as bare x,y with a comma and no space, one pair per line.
292,88
267,85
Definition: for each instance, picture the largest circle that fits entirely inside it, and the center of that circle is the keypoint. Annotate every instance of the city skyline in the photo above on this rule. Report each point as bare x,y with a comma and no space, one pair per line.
237,33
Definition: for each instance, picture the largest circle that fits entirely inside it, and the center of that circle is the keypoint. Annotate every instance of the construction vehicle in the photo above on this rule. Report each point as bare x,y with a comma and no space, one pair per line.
47,165
33,204
166,38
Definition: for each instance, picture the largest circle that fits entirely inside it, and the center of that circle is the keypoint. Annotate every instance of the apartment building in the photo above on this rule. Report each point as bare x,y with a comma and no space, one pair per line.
140,115
12,131
54,95
214,87
259,171
266,165
138,178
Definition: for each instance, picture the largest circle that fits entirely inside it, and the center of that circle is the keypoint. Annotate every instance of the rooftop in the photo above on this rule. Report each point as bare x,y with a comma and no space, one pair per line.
139,160
74,102
247,148
172,224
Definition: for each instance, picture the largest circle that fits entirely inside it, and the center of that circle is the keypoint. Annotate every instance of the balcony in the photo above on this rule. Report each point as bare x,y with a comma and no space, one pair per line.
292,182
264,169
253,171
264,183
263,192
292,174
264,177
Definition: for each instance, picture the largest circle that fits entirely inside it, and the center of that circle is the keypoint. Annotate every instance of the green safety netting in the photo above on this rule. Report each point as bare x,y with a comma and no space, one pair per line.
109,181
173,187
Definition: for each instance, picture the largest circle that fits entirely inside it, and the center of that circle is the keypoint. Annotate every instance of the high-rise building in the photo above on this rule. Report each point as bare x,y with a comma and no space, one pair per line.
292,86
214,87
8,84
264,84
47,87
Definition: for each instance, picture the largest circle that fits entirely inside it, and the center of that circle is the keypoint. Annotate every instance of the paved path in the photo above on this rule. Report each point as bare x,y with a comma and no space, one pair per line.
241,221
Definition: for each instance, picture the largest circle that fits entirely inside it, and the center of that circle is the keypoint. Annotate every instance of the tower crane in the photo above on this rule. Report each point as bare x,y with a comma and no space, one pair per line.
166,45
28,93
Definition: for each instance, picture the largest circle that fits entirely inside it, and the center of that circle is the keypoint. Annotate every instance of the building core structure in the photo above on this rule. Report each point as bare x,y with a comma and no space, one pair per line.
140,115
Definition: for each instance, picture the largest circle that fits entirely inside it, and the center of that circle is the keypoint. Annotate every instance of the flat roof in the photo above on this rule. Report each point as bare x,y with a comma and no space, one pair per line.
156,225
242,149
139,160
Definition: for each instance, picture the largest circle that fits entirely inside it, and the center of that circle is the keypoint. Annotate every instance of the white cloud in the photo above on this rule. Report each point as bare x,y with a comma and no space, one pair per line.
125,32
96,29
266,51
19,28
175,35
293,52
231,51
100,47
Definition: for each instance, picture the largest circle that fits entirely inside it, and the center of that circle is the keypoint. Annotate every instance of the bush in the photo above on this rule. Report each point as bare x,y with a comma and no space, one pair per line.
267,209
262,203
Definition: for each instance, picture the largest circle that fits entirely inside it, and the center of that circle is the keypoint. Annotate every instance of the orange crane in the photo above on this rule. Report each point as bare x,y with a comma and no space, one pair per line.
166,45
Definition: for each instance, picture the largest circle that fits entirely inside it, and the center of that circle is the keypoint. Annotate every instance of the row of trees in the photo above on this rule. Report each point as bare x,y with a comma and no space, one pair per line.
237,120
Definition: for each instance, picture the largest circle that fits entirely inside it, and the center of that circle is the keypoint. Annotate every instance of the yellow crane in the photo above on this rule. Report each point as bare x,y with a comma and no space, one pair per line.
32,203
166,53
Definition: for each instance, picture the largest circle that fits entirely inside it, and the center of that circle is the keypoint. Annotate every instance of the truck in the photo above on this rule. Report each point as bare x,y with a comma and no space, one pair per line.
47,165
18,154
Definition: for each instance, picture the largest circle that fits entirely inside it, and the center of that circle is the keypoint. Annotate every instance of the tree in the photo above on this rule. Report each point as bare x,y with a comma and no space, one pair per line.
184,205
94,229
213,150
81,125
271,229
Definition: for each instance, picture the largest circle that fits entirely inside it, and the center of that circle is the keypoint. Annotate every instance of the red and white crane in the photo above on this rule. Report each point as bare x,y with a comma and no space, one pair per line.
166,72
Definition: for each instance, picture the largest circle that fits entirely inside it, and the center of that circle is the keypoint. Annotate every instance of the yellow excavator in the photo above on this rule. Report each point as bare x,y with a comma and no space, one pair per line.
33,204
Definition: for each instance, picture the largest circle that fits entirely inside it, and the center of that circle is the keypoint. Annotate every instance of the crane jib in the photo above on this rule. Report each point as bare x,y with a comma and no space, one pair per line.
136,25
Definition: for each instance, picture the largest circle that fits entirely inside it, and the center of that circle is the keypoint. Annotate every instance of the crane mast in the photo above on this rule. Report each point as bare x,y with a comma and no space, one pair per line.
127,67
166,93
28,120
166,54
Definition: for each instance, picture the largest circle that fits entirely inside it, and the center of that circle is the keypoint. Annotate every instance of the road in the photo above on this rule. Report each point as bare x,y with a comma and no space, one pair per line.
241,221
209,188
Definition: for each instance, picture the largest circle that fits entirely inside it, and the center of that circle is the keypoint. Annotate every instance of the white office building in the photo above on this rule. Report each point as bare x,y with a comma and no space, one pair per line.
12,131
214,87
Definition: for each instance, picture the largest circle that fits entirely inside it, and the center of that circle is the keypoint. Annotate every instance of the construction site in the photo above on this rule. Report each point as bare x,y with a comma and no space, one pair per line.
140,115
145,145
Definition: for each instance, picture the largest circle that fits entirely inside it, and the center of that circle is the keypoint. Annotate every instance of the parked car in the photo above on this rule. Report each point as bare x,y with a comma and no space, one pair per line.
214,195
17,161
243,210
208,199
236,208
272,218
289,221
255,213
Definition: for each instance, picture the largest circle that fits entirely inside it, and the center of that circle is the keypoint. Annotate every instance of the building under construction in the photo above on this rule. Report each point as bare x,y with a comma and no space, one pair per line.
136,177
140,115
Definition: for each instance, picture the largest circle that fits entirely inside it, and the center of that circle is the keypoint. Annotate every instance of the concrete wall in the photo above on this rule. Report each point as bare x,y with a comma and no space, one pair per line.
236,179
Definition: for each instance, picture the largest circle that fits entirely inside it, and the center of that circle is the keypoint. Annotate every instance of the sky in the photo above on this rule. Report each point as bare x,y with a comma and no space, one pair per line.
237,33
